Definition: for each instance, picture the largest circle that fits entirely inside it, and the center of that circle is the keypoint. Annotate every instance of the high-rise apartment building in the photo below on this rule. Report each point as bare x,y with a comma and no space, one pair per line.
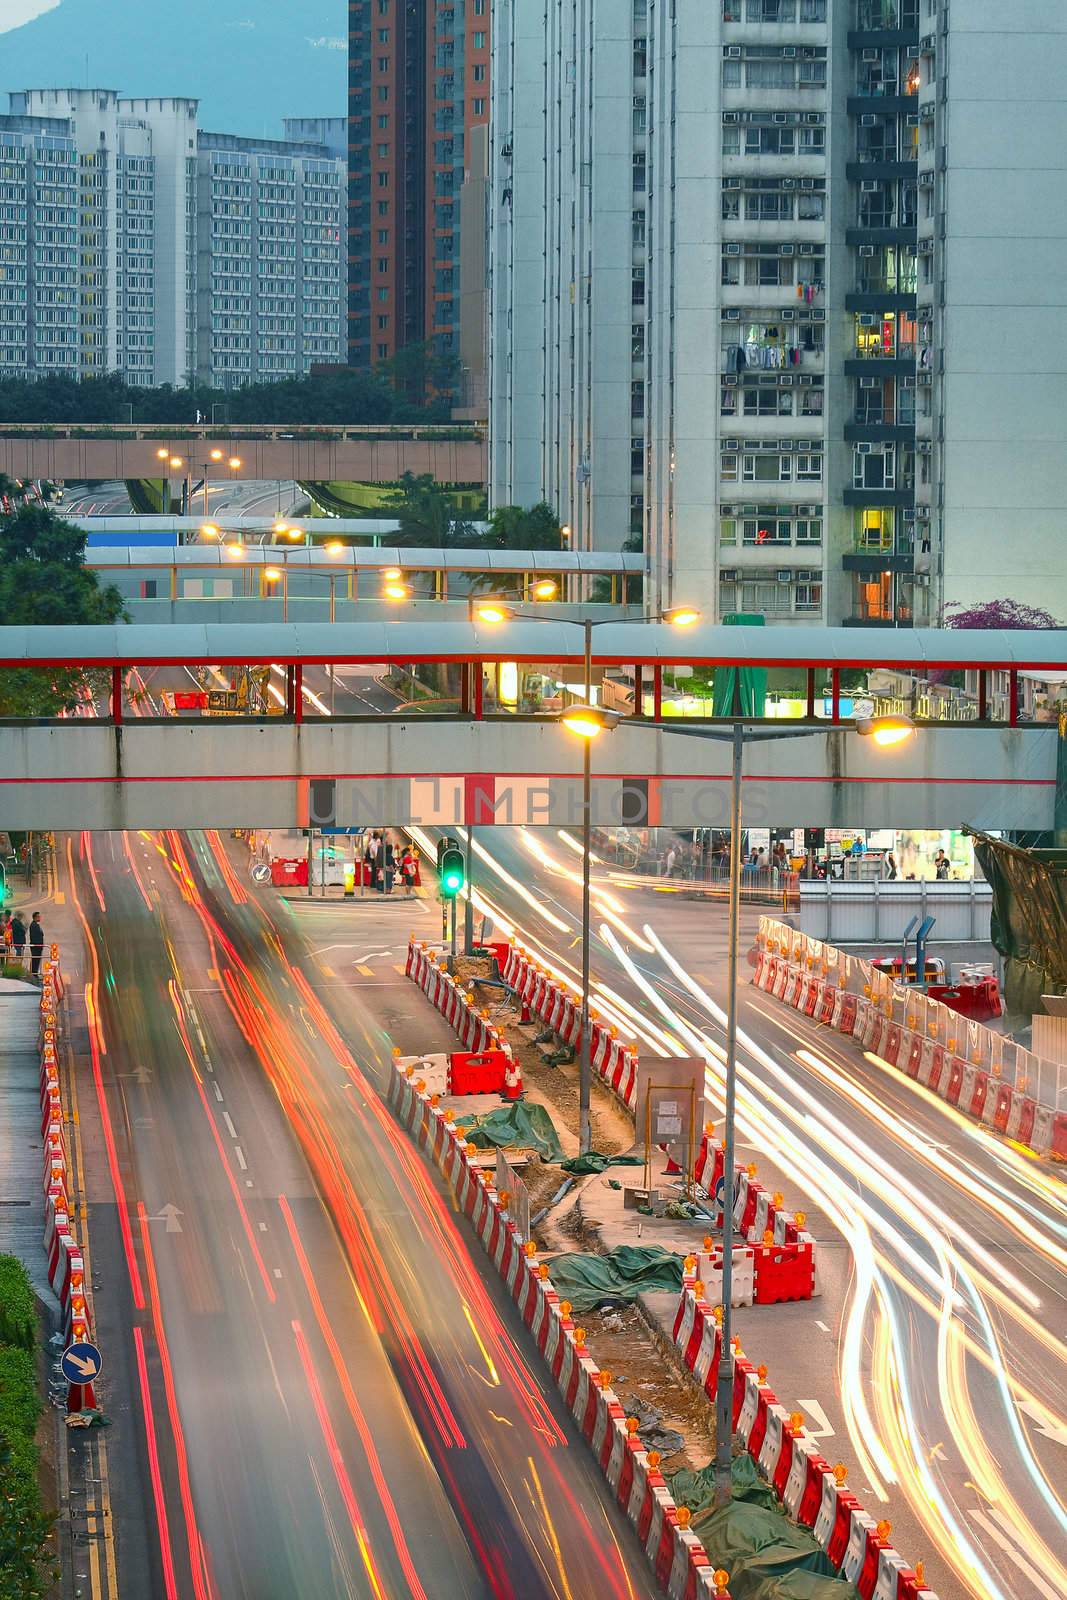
132,242
418,84
756,271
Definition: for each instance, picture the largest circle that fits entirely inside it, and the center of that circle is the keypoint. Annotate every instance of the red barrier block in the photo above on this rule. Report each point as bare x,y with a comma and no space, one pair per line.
1002,1108
477,1073
784,1272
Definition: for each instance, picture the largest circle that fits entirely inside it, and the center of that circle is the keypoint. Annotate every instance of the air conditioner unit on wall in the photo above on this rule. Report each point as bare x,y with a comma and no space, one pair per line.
731,116
732,249
867,251
867,121
786,249
733,52
868,383
731,444
784,575
781,118
728,575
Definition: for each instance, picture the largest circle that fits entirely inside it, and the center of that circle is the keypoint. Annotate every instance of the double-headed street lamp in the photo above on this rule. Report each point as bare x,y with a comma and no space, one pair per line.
588,720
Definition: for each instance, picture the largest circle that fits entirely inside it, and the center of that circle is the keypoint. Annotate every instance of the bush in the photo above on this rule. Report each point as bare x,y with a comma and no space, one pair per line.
24,1527
18,1314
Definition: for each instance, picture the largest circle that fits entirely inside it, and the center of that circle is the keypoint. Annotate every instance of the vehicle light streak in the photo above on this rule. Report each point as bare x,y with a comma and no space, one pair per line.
87,854
879,1175
238,1199
200,1585
396,1527
136,875
333,1450
166,1554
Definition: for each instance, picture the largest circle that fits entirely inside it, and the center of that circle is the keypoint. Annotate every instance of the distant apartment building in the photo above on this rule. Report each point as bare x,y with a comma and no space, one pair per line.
773,289
418,85
133,242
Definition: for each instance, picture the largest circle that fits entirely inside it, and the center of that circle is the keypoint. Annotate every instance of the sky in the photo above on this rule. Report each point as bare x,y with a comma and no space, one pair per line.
249,62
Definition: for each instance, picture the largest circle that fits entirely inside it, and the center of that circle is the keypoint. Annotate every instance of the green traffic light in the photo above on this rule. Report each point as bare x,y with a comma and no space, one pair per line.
452,872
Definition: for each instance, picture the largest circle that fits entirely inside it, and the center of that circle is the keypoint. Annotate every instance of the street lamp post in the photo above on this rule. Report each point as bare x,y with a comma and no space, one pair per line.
886,732
587,721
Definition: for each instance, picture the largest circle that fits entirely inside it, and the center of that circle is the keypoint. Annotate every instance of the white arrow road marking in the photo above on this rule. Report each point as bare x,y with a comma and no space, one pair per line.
1034,1578
169,1214
1044,1423
813,1412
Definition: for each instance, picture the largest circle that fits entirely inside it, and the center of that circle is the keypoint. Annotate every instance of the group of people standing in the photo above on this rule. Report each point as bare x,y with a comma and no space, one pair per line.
388,861
16,934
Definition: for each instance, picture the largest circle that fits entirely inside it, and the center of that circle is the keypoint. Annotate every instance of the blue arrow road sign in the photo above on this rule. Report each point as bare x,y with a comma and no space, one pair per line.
720,1191
81,1362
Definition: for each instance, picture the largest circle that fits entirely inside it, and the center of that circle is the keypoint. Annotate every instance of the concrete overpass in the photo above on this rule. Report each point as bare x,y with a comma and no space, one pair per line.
482,762
280,453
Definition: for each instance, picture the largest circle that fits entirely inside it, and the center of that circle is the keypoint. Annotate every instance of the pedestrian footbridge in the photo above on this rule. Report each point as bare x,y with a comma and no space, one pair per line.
445,723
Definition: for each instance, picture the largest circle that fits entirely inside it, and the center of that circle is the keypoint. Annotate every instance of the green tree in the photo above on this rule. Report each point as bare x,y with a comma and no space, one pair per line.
516,528
427,515
44,582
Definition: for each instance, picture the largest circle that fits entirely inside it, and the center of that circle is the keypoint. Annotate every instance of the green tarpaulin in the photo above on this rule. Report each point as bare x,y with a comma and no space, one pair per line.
740,691
767,1556
594,1161
520,1124
621,1275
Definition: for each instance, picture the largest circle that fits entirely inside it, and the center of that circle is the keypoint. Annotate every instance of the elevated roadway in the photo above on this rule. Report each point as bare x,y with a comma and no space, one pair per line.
469,759
452,455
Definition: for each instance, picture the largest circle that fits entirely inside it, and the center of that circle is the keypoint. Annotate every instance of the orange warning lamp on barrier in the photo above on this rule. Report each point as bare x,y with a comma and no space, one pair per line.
653,1459
796,1421
720,1577
840,1474
684,1515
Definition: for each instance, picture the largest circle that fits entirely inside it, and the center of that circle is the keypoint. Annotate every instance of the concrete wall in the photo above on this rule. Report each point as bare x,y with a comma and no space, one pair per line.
228,773
1004,337
878,912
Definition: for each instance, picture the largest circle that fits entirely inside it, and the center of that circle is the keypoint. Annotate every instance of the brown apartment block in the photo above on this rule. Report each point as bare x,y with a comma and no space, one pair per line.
418,82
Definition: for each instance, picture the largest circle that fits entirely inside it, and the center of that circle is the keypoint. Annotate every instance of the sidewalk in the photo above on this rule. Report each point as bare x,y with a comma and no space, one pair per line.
21,1143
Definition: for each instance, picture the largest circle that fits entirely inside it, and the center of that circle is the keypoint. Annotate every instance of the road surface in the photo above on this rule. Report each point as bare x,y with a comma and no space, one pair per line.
936,1351
333,1397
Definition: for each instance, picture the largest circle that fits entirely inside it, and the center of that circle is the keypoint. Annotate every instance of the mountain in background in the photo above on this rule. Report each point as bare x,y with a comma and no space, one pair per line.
249,62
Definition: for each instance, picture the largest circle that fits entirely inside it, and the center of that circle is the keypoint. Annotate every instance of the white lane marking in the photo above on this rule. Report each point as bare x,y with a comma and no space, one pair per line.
241,1162
1044,1423
821,1325
249,1184
218,1091
1032,1575
814,1413
277,1272
230,1129
263,1227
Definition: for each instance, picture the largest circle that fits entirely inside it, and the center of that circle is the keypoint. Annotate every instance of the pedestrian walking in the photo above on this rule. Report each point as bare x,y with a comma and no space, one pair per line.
942,866
5,931
18,936
408,868
36,944
890,864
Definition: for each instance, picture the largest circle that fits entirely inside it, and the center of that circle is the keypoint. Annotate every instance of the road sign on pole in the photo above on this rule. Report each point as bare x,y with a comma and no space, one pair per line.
81,1362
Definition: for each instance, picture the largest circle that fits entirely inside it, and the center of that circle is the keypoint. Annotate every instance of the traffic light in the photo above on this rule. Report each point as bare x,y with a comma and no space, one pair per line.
451,869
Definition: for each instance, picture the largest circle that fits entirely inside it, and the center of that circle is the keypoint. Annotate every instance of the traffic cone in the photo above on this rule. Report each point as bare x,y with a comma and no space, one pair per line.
513,1089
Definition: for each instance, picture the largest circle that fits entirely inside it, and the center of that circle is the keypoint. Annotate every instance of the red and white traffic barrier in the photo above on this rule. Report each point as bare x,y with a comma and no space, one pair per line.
784,1259
456,1005
553,1004
679,1560
811,1491
954,1056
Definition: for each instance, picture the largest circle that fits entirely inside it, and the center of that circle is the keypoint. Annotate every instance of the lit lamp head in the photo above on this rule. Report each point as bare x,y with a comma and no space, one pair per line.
886,731
334,547
682,616
215,455
209,531
392,575
588,722
396,591
281,527
234,463
493,611
545,589
234,551
295,533
175,462
271,574
163,455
